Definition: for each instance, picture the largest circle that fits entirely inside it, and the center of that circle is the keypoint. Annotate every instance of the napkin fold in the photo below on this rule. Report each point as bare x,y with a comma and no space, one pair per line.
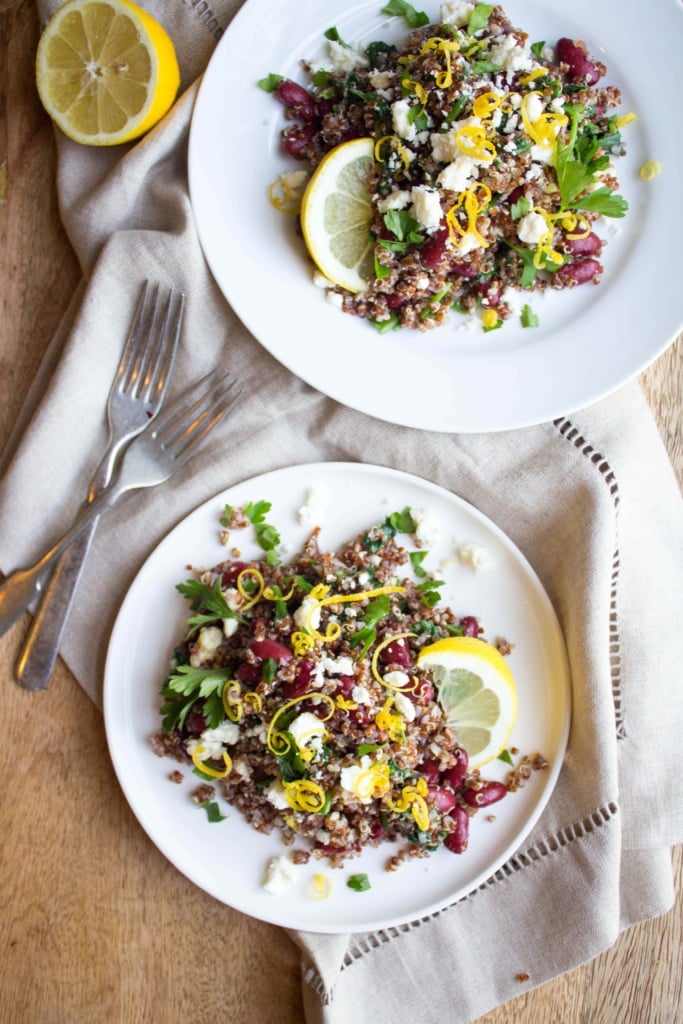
590,499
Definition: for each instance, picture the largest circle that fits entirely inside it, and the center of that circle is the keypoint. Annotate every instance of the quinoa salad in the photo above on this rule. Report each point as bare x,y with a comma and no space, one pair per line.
493,162
295,697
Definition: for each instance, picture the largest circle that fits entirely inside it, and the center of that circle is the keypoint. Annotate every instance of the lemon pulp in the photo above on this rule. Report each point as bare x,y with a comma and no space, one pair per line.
477,692
336,212
106,71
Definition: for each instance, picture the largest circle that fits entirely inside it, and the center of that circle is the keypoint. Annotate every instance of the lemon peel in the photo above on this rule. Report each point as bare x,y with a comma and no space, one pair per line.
215,773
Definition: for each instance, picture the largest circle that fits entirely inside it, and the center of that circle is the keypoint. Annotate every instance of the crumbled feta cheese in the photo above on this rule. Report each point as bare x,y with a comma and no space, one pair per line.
510,55
338,666
340,58
475,556
456,12
459,174
232,598
230,626
445,146
534,107
397,679
381,79
335,299
240,768
361,695
400,119
396,200
533,172
531,228
349,777
307,730
280,874
426,206
427,527
275,794
209,640
404,706
313,506
543,154
213,740
309,606
468,243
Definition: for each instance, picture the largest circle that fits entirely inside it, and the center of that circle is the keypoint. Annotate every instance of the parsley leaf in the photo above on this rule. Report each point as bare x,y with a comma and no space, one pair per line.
333,35
255,511
403,522
416,559
404,10
528,318
404,228
359,883
213,811
270,82
520,208
201,682
478,18
603,200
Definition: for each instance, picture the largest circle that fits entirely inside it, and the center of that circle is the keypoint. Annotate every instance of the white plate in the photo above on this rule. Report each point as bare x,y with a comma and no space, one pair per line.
590,340
227,859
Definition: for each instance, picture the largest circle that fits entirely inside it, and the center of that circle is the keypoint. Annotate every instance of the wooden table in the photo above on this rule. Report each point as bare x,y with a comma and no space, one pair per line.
95,925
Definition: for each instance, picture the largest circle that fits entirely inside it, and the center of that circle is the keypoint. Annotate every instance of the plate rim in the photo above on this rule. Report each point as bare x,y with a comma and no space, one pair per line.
533,402
117,748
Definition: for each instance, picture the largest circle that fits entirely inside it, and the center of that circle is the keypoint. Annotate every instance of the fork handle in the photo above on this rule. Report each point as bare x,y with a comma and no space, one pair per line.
23,586
44,637
43,640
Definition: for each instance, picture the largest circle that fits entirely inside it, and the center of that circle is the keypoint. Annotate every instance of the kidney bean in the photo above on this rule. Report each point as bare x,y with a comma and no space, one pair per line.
581,68
229,577
489,793
589,245
456,841
297,137
345,685
378,832
471,625
442,798
195,723
396,653
395,301
248,674
490,291
431,770
579,272
454,775
465,270
423,692
301,682
271,649
434,249
299,101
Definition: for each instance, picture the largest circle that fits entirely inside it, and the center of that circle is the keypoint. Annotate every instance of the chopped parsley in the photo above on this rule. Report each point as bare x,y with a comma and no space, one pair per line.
213,811
359,883
401,9
527,317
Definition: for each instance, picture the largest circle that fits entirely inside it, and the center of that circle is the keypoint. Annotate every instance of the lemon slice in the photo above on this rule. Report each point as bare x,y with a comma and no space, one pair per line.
106,71
336,211
476,690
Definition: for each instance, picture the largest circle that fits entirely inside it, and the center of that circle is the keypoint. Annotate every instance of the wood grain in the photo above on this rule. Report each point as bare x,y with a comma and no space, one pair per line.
95,925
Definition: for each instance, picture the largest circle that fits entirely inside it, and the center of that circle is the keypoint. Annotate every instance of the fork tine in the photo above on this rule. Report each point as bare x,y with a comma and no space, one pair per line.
161,353
197,431
130,366
185,425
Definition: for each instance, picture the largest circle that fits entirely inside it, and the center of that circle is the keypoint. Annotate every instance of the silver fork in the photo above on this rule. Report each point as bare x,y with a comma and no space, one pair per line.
150,459
136,394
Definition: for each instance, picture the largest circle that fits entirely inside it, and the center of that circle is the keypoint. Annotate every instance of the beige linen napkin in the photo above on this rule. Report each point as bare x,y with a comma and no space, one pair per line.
590,499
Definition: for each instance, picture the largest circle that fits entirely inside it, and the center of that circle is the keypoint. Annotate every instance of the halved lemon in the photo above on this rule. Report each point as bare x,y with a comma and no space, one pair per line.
336,211
106,71
476,690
